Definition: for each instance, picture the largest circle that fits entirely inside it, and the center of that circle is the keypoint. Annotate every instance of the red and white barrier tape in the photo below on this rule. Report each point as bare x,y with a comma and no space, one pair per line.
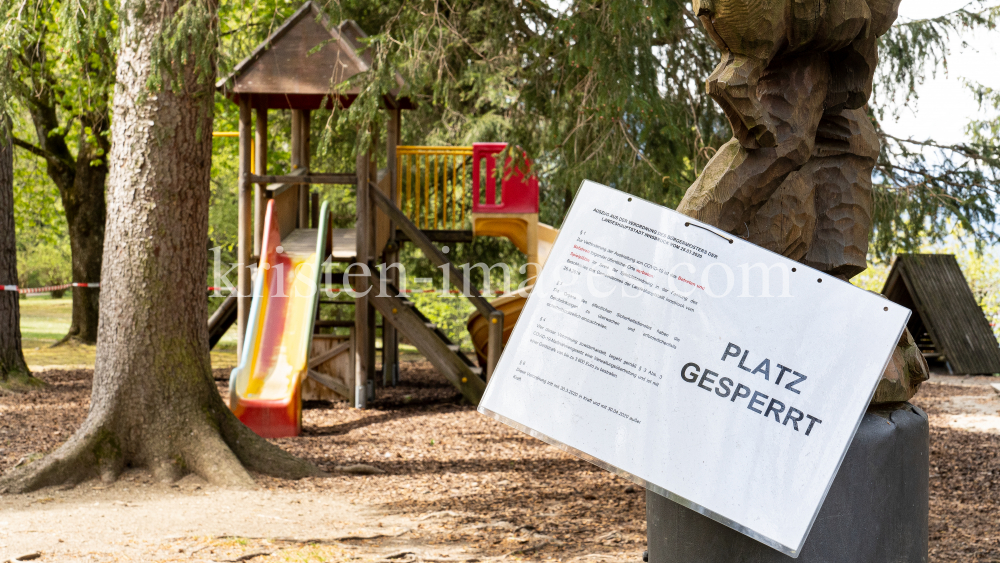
210,288
49,288
338,290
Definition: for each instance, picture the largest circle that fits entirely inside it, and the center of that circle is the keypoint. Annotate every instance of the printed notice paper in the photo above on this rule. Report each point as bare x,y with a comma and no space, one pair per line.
705,368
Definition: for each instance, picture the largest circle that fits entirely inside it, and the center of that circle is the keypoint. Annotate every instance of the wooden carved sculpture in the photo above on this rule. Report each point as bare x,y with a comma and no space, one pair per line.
794,80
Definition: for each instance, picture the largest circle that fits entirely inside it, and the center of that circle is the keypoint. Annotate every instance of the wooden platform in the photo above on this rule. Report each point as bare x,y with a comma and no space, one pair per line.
302,242
345,244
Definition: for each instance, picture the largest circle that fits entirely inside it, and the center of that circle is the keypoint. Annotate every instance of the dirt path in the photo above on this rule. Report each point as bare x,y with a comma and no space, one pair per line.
139,521
455,486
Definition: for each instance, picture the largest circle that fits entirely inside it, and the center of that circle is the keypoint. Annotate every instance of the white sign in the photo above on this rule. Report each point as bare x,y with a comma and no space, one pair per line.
705,368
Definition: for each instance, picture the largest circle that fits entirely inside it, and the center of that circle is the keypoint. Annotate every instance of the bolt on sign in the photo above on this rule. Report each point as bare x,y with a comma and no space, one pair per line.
707,369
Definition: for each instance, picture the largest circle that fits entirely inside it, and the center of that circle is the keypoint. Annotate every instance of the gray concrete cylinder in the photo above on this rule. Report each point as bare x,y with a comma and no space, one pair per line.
875,512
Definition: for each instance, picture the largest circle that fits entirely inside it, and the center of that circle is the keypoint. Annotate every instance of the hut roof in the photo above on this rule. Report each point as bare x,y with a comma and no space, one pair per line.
299,65
947,322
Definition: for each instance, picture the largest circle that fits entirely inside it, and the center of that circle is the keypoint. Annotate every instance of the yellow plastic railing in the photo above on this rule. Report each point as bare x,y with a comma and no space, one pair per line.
433,185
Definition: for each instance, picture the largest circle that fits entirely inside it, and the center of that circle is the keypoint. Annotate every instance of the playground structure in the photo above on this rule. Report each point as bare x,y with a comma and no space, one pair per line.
421,197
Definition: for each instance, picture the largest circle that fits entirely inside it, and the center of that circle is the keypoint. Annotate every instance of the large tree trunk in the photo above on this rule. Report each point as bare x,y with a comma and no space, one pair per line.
14,372
154,403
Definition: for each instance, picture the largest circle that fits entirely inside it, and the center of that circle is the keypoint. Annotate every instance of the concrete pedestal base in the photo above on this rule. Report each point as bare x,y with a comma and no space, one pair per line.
875,512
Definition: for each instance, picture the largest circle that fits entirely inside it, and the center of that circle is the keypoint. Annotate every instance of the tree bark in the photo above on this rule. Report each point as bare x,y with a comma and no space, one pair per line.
14,372
154,403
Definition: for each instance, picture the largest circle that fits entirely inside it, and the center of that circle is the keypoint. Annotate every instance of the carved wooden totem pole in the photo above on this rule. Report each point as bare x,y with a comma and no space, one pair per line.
794,81
796,178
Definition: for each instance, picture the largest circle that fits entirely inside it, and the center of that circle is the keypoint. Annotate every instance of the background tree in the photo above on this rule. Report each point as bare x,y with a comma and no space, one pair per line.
614,91
62,79
14,372
925,189
154,403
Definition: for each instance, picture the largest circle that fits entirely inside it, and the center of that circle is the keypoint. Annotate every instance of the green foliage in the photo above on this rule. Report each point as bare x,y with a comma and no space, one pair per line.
449,313
486,250
922,188
907,48
42,263
612,91
58,60
38,213
62,55
584,92
223,210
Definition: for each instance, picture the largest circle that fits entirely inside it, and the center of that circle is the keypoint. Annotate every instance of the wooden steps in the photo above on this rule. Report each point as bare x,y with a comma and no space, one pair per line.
432,342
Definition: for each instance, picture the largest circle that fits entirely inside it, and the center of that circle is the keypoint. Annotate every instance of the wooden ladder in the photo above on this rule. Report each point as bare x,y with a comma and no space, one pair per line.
432,342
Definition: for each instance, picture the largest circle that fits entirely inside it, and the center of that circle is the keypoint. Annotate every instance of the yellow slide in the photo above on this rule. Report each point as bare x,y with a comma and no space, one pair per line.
522,230
266,387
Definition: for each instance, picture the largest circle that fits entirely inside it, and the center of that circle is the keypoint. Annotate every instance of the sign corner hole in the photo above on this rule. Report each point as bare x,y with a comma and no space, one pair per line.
819,280
793,269
885,308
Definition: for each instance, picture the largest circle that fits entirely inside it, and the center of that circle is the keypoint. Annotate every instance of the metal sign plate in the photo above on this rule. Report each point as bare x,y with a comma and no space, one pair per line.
703,367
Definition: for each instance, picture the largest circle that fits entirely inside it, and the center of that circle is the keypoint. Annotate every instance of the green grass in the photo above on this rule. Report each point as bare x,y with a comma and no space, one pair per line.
44,321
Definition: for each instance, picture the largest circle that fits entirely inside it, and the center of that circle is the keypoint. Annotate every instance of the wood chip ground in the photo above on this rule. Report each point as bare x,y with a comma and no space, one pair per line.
456,486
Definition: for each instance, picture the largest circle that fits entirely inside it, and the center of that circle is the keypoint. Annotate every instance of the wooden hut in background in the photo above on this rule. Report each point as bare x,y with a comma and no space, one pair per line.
947,322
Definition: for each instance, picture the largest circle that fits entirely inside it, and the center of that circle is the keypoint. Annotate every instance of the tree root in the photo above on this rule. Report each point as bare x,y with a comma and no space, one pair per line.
257,454
70,464
219,448
19,381
71,338
213,459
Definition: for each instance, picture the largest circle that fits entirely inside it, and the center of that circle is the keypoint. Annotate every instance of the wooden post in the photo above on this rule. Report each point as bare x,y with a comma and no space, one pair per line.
301,133
307,153
260,168
296,157
364,313
372,250
533,269
390,338
495,342
244,239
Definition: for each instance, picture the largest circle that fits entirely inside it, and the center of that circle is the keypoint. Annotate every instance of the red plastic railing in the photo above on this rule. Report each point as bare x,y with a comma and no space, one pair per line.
518,194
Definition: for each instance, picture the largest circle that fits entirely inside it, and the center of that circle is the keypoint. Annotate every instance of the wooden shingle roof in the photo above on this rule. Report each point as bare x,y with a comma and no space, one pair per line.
947,322
300,64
